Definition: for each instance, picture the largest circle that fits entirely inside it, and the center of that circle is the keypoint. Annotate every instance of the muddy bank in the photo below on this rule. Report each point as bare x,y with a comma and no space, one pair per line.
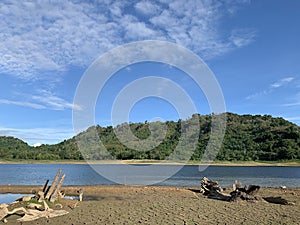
167,205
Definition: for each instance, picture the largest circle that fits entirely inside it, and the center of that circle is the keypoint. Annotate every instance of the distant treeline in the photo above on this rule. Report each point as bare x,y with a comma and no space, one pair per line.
247,138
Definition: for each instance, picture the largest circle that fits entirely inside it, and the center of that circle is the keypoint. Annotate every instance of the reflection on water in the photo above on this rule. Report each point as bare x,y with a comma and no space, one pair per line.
9,198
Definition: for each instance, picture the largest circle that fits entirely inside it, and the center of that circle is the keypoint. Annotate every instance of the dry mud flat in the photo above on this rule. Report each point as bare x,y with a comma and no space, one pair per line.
168,205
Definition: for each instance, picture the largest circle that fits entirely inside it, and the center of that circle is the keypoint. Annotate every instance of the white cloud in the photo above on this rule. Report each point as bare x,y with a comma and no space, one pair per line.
242,37
280,83
54,102
40,38
37,144
20,103
293,101
46,100
139,30
258,94
148,8
296,103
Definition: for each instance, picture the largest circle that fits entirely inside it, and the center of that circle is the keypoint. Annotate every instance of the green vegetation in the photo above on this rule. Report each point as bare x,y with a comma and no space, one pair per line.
247,138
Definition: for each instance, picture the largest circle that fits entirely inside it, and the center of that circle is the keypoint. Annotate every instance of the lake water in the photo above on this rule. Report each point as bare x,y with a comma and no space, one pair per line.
190,175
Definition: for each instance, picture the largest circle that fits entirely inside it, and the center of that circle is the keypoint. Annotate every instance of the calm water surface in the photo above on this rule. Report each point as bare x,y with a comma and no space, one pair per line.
36,174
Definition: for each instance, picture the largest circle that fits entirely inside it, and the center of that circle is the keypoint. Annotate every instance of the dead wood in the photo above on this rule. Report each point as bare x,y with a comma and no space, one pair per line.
55,194
35,212
212,190
45,186
51,189
278,200
247,193
80,192
40,196
5,212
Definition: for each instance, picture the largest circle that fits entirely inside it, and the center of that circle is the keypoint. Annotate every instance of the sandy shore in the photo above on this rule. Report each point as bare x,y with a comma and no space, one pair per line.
167,205
147,162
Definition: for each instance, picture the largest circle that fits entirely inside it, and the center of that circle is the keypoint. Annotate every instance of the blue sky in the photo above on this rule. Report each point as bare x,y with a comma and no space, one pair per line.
252,47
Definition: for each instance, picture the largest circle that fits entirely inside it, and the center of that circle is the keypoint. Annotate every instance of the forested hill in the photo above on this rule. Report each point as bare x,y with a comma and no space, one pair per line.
247,137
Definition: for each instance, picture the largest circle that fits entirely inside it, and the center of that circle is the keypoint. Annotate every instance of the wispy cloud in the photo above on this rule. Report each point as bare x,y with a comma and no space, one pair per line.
20,103
147,8
54,102
280,83
297,103
45,100
38,135
293,101
40,38
242,37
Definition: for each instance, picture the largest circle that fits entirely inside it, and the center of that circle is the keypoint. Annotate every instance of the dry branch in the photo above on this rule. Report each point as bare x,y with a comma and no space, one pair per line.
51,189
55,194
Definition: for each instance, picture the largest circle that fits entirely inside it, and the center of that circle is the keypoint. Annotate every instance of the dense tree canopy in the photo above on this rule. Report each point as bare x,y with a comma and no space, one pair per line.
247,138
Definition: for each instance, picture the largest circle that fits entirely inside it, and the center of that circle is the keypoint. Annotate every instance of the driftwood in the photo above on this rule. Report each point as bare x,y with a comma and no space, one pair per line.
48,193
34,206
5,212
55,194
31,214
278,200
51,189
40,196
212,190
45,186
80,192
247,193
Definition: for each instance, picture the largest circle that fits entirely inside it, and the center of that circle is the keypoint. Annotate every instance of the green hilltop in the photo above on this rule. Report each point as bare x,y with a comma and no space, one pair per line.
247,138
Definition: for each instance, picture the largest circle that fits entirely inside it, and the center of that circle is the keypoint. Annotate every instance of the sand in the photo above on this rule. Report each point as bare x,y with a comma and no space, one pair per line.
150,162
166,205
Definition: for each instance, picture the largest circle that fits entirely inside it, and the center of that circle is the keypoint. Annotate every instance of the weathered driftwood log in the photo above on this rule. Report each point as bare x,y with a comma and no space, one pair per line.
247,193
49,193
61,194
26,198
40,196
278,200
207,185
45,186
212,190
51,189
252,189
236,185
244,193
23,199
31,215
5,212
80,192
55,194
33,206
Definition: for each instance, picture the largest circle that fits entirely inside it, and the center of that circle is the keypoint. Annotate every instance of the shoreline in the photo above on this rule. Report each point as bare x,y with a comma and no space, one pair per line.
156,162
170,205
95,190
